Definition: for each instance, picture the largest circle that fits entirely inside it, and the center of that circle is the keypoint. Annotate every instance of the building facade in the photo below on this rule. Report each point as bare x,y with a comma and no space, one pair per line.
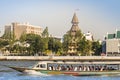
89,36
111,45
19,29
7,29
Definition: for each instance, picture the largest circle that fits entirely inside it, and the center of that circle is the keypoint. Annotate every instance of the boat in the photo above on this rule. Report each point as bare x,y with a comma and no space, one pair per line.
75,68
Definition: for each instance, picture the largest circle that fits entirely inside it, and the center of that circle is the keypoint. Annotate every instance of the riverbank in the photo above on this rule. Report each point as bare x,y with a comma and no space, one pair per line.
63,58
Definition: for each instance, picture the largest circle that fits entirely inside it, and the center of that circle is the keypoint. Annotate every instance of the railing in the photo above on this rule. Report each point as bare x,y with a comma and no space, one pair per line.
73,58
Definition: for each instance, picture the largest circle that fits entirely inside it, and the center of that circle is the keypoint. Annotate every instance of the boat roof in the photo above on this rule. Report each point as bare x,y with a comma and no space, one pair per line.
72,62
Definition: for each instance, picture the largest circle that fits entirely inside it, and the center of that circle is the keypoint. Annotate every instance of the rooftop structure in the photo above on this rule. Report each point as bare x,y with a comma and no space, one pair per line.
75,23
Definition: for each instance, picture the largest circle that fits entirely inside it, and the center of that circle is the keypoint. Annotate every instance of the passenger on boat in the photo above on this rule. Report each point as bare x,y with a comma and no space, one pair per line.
71,68
80,68
68,68
58,68
101,68
50,68
75,68
63,68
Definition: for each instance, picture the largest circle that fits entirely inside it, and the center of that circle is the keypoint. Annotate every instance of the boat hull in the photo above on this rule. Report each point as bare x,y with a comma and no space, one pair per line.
74,73
82,73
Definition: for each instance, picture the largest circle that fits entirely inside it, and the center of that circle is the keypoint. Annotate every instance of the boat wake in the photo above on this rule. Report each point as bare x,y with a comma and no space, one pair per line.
33,72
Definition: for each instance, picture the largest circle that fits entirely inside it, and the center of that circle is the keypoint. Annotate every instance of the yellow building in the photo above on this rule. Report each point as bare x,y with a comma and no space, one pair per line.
7,29
19,29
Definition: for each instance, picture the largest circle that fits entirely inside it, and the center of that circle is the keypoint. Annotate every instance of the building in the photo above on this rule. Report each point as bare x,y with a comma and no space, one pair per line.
72,46
7,29
111,44
72,49
19,29
89,36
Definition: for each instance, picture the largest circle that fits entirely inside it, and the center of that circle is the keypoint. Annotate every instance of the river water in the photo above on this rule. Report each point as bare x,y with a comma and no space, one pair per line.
10,74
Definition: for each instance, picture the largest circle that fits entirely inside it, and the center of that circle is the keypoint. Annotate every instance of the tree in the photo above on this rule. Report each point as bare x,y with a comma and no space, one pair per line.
3,43
67,38
45,32
96,48
71,40
78,35
54,45
23,37
34,41
42,45
84,47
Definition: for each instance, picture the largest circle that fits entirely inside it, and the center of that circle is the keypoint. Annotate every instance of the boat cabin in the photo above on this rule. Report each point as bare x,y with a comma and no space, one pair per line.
41,66
77,66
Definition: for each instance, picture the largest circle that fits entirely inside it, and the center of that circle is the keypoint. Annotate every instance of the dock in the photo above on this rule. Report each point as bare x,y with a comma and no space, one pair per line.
61,58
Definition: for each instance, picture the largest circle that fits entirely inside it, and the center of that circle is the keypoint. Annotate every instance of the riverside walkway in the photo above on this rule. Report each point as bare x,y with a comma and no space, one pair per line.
62,58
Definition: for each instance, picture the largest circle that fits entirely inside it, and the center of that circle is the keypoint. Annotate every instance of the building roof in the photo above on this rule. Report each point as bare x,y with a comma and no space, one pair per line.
118,34
75,19
75,22
114,35
111,36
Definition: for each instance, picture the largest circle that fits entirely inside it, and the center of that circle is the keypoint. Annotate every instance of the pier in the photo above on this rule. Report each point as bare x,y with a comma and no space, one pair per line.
62,58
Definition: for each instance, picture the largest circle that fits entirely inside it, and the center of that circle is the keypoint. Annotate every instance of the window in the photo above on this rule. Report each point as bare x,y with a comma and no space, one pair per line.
40,66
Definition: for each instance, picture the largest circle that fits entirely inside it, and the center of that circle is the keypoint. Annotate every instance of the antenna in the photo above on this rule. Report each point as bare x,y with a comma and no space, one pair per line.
76,10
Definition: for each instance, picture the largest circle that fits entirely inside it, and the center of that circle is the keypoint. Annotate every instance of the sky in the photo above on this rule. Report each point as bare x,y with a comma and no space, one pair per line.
96,16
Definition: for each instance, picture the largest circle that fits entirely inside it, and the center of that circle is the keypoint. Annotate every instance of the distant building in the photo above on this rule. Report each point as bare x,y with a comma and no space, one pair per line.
89,36
72,49
8,29
19,29
112,44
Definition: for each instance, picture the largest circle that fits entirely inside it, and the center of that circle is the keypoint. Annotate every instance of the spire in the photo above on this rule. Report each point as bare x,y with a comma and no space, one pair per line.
74,22
74,19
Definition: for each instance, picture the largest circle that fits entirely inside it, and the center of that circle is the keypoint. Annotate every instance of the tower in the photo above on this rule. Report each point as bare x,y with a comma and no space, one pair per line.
74,27
72,47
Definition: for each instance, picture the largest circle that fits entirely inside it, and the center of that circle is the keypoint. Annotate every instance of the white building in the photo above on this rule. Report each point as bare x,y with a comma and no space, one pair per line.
89,36
111,45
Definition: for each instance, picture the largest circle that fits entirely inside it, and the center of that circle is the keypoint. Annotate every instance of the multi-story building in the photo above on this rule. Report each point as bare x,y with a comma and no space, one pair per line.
111,45
19,29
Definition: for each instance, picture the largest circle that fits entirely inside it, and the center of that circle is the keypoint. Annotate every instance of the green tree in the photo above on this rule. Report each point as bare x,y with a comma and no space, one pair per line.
54,45
34,41
3,43
45,32
96,47
84,47
10,37
67,38
23,37
78,35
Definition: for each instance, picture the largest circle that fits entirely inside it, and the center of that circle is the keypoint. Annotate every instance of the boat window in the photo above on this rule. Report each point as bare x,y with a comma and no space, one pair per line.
37,66
40,66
